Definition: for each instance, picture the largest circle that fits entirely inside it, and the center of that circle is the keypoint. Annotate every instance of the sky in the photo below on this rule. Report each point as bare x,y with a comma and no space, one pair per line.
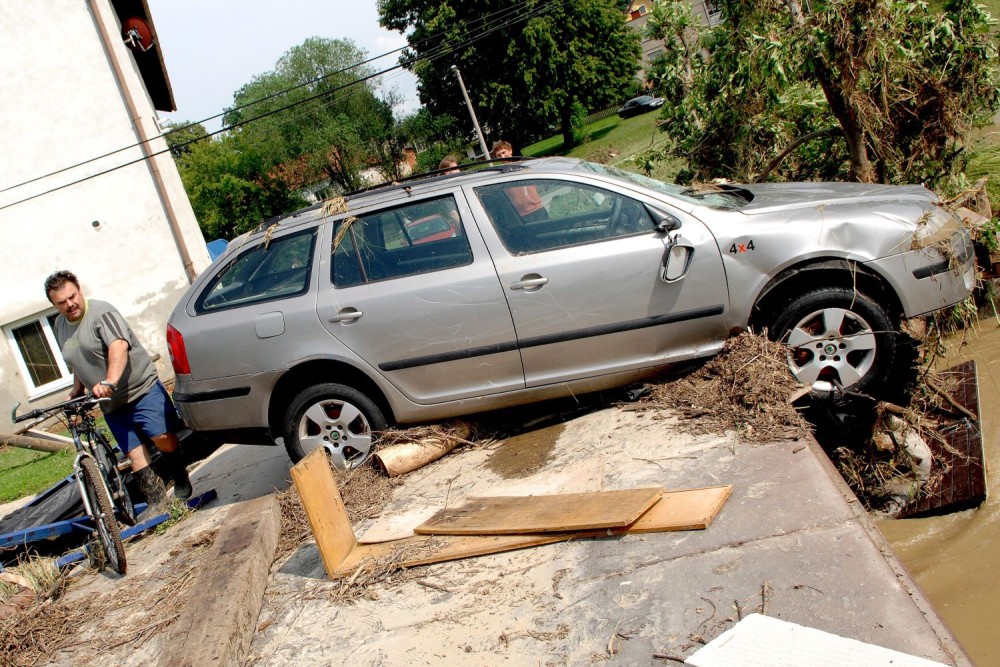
212,47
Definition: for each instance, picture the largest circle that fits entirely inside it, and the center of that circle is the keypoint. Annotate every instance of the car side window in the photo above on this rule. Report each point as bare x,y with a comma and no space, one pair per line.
538,215
272,269
402,241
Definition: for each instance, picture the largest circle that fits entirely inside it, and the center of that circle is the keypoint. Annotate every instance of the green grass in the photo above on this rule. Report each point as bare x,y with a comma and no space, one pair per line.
24,472
612,141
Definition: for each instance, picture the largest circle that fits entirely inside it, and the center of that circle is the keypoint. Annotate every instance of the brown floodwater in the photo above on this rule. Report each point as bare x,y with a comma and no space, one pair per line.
956,558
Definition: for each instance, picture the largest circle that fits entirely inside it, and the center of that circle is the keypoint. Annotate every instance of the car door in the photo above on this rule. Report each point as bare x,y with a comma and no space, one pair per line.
584,280
249,312
427,312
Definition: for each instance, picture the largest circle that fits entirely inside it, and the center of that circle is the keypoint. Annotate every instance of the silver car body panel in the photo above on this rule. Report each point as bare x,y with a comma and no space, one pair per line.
597,315
419,332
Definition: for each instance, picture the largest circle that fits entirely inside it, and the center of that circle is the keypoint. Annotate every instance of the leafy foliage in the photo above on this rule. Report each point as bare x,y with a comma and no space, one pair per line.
314,117
526,64
180,136
231,192
334,132
887,90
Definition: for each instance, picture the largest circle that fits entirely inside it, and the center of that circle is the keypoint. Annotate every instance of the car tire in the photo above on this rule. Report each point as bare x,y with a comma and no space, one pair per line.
334,416
838,339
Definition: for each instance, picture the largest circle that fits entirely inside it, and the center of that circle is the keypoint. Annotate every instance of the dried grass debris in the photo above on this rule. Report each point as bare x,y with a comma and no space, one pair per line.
91,625
364,490
745,388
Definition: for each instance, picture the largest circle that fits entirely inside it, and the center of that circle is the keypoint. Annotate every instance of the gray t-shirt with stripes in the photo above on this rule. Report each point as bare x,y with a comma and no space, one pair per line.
84,346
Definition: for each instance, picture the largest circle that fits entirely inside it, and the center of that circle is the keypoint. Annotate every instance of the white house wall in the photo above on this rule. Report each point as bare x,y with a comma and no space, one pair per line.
60,104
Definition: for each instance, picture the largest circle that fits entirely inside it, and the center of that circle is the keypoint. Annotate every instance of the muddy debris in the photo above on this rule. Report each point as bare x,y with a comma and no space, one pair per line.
525,454
745,389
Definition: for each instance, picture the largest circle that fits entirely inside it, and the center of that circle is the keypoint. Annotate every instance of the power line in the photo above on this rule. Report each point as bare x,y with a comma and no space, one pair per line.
437,53
251,103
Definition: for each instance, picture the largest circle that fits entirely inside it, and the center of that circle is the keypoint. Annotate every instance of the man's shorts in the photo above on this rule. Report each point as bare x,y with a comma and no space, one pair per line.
138,422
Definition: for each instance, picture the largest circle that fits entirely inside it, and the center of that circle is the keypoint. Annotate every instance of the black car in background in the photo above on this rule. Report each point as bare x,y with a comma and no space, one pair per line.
640,105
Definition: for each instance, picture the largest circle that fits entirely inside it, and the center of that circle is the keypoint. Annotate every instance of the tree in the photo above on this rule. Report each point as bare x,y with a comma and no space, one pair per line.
179,136
526,64
672,74
323,110
883,90
230,192
314,115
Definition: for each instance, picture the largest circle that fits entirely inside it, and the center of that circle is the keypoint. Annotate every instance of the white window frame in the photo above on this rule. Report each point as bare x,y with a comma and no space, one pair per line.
50,387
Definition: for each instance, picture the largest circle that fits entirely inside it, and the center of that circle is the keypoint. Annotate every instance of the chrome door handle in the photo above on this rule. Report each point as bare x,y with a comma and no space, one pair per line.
529,283
346,315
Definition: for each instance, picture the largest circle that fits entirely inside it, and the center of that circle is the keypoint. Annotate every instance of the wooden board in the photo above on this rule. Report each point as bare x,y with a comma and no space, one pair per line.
317,487
509,515
678,510
218,622
963,484
578,477
427,549
691,509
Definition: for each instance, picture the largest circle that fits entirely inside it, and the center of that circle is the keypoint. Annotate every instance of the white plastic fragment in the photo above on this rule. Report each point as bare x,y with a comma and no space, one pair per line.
763,641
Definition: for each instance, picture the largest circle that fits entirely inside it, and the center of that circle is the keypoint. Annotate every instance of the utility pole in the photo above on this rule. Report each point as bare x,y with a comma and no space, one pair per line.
472,113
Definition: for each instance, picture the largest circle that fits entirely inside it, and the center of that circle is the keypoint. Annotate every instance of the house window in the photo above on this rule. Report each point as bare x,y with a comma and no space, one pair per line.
37,354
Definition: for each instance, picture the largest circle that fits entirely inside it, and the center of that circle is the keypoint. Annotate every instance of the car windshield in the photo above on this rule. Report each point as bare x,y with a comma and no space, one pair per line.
642,100
713,196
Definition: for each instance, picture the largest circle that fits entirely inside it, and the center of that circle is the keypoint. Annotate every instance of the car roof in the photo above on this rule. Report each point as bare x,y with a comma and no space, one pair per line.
388,193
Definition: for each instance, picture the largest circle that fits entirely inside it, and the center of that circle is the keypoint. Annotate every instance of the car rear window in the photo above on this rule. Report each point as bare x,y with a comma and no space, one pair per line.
268,270
402,241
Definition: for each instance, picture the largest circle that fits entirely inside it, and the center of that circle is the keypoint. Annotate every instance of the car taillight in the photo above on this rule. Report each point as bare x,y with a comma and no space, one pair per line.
178,353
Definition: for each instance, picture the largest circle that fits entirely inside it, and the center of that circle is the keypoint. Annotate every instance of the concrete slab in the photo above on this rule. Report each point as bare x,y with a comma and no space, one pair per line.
790,543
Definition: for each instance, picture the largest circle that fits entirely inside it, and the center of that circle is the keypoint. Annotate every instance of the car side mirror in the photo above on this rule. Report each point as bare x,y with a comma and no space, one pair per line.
676,260
664,222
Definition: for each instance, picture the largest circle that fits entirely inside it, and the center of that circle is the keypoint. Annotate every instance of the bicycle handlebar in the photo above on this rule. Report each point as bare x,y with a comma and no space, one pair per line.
72,406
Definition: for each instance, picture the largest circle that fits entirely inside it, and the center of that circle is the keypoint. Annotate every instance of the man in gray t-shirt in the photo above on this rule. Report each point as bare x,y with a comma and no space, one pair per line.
108,360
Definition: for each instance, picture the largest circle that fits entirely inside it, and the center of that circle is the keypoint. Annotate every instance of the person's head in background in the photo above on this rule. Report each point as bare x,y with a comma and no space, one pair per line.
503,149
449,162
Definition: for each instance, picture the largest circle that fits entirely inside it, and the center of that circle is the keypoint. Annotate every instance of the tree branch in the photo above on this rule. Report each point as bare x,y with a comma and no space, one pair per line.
773,164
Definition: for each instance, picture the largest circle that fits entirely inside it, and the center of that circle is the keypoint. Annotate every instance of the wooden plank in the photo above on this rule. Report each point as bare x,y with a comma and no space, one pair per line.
317,487
579,477
678,510
509,515
219,620
691,509
427,549
37,444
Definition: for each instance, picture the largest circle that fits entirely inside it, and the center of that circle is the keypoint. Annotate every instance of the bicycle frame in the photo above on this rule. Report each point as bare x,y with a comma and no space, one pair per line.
93,458
84,451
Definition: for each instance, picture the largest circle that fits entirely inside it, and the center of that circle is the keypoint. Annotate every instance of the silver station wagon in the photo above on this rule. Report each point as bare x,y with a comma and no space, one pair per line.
524,281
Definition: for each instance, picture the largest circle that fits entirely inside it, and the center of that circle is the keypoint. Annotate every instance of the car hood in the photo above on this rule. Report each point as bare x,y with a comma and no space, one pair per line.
775,197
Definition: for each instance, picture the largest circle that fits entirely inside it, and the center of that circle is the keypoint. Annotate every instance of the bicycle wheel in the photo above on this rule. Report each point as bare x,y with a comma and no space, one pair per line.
108,535
108,463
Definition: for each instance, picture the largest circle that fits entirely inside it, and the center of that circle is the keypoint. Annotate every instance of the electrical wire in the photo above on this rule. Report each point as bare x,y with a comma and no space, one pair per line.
173,130
436,54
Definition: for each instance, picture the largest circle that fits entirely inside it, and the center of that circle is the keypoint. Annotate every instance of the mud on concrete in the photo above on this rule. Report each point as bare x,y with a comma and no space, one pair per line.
788,543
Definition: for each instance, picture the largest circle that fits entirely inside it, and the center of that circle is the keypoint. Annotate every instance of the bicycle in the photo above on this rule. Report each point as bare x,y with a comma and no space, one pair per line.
102,488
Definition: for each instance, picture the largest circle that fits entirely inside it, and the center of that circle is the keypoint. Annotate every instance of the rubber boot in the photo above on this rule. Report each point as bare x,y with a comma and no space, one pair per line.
177,471
156,493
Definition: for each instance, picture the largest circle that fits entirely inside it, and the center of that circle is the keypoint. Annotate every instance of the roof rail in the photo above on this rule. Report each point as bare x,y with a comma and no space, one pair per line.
493,164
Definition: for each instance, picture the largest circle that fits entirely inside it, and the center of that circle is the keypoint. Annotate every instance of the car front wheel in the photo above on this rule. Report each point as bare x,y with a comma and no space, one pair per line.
334,416
837,339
